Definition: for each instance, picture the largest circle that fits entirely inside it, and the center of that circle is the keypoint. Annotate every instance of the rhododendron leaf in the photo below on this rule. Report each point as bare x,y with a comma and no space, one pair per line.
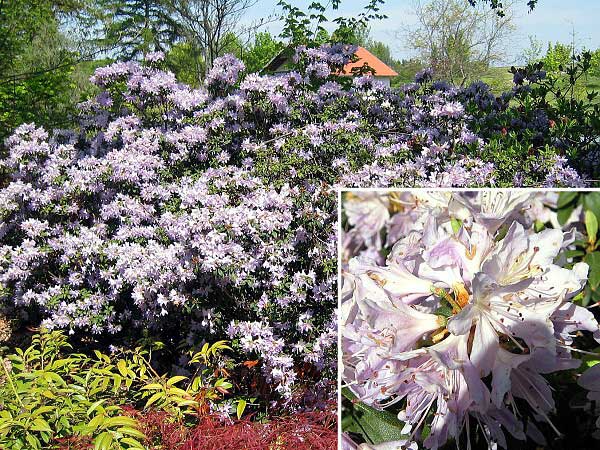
591,226
591,201
590,360
33,441
378,426
95,406
131,432
593,260
153,386
565,198
574,253
40,425
154,398
122,366
563,214
539,226
119,421
445,311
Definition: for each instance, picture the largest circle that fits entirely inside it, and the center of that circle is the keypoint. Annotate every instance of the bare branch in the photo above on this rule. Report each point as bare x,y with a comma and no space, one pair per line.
457,40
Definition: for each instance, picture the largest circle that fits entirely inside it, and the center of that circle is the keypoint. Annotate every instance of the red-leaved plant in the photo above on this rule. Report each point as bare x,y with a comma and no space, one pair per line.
303,431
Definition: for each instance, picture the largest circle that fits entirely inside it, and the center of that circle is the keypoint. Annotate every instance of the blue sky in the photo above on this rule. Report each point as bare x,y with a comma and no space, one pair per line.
552,20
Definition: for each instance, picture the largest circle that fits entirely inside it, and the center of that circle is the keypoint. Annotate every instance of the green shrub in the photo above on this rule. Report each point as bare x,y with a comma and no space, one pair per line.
557,57
46,395
50,395
208,384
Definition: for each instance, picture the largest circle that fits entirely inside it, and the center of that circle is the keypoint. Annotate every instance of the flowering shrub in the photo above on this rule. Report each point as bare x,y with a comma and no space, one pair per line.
458,307
549,111
210,212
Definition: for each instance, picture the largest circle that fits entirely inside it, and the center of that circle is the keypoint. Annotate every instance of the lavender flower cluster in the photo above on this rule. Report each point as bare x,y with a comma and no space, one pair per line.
466,315
211,211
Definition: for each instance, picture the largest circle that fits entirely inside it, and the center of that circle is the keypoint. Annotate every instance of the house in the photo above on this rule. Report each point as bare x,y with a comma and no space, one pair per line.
382,72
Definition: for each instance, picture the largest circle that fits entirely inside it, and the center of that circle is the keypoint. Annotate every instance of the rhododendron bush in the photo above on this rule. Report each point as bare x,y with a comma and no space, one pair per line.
210,213
463,311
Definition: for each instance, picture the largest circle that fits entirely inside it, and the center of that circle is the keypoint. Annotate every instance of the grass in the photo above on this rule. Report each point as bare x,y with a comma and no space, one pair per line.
499,79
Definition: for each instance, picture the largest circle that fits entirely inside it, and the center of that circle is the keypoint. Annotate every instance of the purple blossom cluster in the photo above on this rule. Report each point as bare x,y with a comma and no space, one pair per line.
319,62
225,72
467,314
167,201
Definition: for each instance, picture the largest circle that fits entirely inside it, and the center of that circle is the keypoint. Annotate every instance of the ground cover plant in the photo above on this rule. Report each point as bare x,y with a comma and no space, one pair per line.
469,319
195,215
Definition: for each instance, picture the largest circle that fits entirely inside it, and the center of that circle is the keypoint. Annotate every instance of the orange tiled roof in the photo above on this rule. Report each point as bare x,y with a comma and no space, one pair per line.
363,55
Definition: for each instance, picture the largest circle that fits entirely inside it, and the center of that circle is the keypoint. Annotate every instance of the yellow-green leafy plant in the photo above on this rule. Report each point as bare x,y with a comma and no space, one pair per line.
180,395
48,394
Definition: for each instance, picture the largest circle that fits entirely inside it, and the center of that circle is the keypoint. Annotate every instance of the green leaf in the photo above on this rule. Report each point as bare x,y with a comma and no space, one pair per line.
591,226
103,441
591,202
445,311
377,426
51,376
33,442
94,406
96,421
42,410
152,386
538,226
426,431
120,421
176,379
456,224
41,425
134,444
564,198
593,260
117,380
241,406
131,432
48,394
122,366
157,396
563,214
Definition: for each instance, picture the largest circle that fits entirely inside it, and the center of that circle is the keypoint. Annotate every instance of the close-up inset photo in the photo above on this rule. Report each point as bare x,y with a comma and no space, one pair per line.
469,319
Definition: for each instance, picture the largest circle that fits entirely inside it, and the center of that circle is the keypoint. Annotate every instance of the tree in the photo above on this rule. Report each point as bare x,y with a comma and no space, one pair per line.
457,41
595,69
382,51
22,21
208,25
533,53
558,55
498,6
135,27
35,63
264,48
362,36
185,61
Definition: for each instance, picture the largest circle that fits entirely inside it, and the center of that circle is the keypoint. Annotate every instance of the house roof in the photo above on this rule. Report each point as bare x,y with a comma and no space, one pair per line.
362,56
365,56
